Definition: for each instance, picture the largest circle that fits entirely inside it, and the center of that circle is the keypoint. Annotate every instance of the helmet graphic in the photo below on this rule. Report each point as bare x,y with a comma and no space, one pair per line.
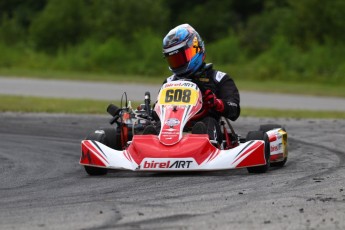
184,50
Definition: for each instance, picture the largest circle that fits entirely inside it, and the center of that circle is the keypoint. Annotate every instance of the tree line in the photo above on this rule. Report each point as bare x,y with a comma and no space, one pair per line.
264,39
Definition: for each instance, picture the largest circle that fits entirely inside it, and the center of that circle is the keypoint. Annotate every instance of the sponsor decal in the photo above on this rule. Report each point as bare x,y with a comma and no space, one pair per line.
171,78
231,104
195,42
167,164
169,85
171,122
219,76
275,148
204,79
99,131
174,52
170,132
182,84
188,84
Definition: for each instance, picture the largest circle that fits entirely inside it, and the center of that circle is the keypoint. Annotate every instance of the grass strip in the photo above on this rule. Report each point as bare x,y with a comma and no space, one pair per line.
51,105
86,106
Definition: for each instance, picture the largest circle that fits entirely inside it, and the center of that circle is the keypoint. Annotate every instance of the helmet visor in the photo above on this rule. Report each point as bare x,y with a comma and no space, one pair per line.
180,57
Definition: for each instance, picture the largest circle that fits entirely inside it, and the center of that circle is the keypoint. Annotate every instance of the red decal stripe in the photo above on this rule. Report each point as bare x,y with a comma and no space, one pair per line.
256,157
251,148
276,157
214,155
272,137
126,154
95,150
89,157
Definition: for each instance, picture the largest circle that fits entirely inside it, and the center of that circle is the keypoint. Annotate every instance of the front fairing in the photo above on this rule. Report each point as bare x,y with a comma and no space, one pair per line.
177,103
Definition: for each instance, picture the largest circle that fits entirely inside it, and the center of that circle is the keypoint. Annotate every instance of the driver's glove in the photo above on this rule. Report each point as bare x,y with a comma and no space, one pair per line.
212,102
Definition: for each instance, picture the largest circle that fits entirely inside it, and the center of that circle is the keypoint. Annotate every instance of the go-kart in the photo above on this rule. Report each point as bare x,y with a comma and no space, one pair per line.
168,145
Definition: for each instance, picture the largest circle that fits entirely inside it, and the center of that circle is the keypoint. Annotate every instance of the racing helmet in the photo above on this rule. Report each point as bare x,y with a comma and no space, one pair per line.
184,50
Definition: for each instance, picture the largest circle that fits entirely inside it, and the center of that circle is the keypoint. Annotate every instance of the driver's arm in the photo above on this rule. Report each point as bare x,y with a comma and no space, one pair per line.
228,93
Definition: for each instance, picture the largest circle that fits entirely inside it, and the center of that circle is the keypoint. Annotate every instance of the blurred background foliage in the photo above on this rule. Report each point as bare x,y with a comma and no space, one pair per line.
286,40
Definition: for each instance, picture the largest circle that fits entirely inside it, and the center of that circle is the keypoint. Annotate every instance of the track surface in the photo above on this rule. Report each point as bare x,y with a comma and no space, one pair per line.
43,187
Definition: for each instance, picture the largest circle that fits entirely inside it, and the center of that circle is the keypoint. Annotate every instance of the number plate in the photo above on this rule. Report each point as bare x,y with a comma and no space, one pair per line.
178,96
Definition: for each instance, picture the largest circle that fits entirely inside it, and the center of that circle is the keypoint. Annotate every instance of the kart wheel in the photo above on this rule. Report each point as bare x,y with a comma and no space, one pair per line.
279,164
260,135
95,171
266,128
112,137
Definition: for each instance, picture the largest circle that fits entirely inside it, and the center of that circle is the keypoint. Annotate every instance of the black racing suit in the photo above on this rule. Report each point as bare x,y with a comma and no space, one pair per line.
223,86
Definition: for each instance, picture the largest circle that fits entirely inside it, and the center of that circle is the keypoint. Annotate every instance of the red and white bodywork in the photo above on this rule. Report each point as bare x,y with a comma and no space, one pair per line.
278,144
173,150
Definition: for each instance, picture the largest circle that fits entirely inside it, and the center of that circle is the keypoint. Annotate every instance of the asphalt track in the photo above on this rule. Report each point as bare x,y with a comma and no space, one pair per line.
42,186
135,92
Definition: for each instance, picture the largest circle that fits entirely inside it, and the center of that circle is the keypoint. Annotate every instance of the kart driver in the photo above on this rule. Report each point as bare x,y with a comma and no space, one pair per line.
184,51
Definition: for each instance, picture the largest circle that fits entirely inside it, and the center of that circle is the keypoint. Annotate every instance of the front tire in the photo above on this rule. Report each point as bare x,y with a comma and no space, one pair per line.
95,171
268,127
260,135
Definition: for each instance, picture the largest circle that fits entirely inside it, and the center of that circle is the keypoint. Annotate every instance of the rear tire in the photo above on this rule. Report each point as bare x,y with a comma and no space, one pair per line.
112,137
269,127
260,135
108,136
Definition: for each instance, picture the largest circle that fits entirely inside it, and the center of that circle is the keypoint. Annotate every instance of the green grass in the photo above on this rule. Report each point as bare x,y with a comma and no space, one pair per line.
51,105
80,106
243,85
